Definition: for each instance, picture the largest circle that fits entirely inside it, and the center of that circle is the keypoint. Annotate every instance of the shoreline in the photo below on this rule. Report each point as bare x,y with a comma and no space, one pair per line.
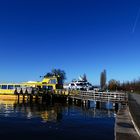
127,123
124,127
134,107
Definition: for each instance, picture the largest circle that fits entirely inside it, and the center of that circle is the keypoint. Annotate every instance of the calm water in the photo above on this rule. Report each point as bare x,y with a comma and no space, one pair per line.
57,121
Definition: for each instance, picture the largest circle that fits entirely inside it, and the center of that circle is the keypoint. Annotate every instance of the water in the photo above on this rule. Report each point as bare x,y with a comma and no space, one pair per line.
58,121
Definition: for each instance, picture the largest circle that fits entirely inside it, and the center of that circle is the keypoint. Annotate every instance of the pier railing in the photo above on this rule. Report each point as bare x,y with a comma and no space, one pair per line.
101,96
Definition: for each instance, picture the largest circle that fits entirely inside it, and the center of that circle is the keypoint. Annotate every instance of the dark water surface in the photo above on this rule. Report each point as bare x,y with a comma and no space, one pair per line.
51,122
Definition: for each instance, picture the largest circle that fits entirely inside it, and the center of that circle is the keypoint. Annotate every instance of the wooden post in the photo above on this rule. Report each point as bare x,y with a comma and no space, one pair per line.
98,104
18,97
72,100
67,99
116,107
31,97
36,98
23,98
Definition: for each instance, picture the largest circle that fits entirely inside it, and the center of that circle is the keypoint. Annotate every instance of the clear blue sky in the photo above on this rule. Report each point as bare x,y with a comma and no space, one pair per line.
78,36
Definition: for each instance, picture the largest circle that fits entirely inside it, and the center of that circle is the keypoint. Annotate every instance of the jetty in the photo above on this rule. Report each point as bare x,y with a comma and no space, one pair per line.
74,96
115,97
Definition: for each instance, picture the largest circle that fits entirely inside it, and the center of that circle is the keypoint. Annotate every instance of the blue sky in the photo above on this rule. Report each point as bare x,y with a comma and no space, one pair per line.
78,36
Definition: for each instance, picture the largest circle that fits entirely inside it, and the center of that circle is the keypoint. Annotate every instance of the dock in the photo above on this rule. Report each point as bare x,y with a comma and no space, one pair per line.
82,96
115,97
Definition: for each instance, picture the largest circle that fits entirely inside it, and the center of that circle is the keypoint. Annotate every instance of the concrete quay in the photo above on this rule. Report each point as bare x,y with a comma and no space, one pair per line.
134,107
127,124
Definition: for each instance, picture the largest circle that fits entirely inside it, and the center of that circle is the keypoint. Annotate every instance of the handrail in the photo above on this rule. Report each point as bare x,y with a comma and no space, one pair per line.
109,96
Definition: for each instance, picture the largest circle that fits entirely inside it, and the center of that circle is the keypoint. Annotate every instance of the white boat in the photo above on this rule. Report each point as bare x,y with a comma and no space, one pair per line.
79,85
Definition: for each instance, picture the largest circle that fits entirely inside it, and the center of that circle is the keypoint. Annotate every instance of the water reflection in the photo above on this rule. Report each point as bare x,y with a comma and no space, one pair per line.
54,112
46,112
36,120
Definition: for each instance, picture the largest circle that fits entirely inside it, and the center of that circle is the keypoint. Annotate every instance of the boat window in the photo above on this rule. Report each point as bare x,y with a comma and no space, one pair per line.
4,86
72,84
10,86
50,87
79,84
44,87
39,87
0,86
44,82
16,86
52,81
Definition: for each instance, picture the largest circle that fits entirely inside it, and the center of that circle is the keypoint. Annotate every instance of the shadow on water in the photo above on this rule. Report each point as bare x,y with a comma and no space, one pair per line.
36,120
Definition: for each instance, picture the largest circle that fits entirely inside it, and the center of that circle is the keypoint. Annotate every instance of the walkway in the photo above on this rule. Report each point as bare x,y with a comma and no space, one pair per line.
115,97
124,126
134,106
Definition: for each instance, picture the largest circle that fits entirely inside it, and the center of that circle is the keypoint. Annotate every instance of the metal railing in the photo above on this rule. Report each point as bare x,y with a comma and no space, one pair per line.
101,96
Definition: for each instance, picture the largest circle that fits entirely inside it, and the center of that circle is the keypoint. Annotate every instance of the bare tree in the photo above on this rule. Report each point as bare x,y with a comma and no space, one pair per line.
103,80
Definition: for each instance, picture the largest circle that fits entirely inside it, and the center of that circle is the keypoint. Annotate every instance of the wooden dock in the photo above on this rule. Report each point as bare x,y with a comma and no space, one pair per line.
83,96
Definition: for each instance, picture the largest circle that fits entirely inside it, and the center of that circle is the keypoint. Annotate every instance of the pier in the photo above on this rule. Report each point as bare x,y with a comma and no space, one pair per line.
90,98
115,97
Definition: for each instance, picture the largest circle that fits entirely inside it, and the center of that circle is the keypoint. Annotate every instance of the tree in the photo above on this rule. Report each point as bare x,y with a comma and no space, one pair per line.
133,86
103,80
49,74
58,73
113,85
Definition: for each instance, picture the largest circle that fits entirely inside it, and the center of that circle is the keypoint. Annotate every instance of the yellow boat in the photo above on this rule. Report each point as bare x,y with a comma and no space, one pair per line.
50,83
